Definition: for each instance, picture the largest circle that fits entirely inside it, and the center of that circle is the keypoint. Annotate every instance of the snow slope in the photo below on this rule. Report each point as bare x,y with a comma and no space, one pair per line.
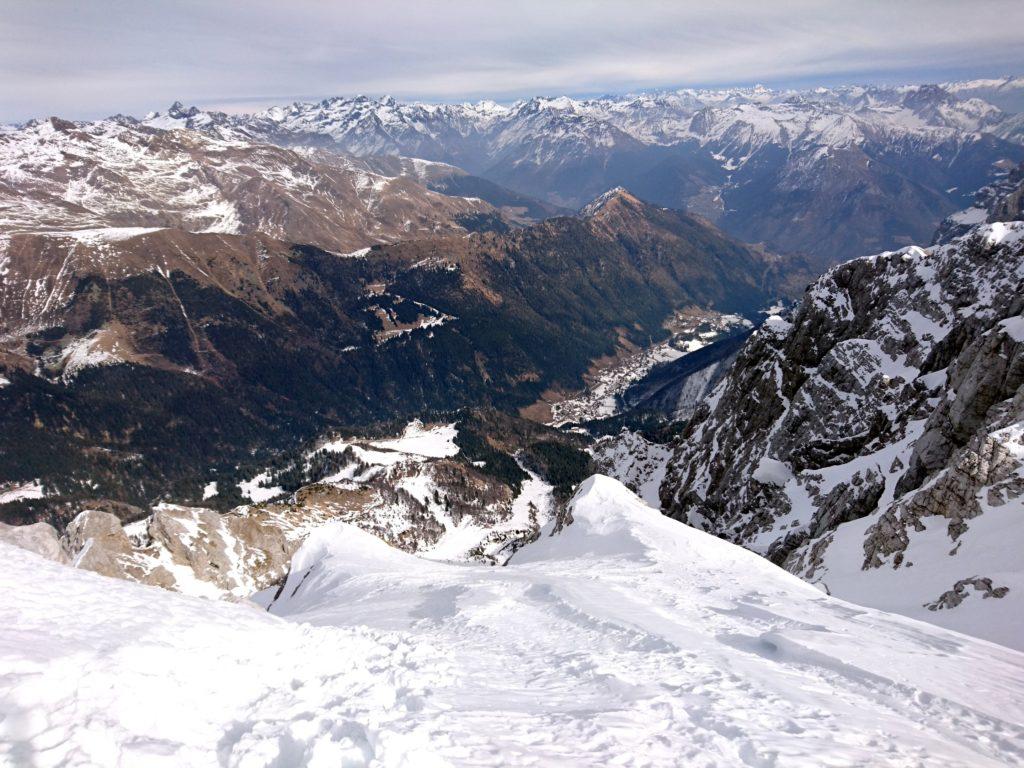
137,676
626,639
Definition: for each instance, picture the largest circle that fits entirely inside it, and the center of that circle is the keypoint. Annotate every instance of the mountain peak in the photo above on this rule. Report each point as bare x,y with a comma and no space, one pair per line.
612,196
179,110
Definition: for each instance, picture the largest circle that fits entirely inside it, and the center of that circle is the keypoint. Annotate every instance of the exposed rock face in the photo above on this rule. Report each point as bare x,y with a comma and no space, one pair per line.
40,538
874,442
986,473
96,541
958,593
232,552
187,549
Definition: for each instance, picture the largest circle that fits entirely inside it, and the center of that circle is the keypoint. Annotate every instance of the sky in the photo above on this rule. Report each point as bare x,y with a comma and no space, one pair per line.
84,59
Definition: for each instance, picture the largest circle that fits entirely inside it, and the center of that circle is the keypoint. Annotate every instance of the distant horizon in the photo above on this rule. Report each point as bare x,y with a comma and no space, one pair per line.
243,105
89,60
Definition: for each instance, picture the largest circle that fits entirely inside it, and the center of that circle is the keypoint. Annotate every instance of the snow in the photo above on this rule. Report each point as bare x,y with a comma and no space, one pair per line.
101,235
432,442
97,348
990,548
17,492
358,254
254,490
210,490
1003,233
535,501
635,462
4,381
626,639
970,216
1013,327
772,472
777,325
407,462
895,564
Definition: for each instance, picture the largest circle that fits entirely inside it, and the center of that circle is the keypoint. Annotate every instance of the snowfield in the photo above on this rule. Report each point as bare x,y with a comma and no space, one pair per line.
432,442
626,639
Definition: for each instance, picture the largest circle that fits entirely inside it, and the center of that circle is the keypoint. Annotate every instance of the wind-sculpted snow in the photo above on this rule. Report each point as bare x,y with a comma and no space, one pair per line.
626,639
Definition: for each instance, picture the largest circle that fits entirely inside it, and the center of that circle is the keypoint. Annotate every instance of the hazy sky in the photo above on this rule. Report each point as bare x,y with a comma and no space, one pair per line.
92,58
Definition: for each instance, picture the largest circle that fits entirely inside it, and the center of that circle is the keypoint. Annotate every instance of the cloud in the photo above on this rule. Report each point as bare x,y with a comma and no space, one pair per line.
91,59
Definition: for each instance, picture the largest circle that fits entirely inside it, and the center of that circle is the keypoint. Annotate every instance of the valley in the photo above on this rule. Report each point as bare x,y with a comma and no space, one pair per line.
679,427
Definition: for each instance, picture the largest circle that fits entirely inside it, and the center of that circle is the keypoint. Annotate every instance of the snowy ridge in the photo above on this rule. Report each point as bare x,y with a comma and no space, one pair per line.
871,443
116,178
768,166
735,124
625,635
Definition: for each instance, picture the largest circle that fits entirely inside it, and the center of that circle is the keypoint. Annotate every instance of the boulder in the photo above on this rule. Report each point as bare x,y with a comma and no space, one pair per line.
40,538
96,541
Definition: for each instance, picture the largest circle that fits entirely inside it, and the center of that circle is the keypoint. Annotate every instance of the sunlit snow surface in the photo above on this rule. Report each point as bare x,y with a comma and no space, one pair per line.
433,442
628,639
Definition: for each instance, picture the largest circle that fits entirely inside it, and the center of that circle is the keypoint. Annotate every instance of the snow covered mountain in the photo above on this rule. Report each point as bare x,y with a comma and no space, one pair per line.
626,637
1007,93
57,176
873,442
215,330
830,172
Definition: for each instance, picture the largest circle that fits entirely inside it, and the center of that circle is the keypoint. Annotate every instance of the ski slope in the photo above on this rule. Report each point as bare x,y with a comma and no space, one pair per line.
627,639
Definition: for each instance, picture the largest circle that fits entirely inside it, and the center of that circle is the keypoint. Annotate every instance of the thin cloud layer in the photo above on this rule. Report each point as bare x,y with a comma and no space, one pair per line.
90,59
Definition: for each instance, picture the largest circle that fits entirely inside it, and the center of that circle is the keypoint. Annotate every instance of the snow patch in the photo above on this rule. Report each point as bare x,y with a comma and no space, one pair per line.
1013,327
16,492
772,472
254,490
432,442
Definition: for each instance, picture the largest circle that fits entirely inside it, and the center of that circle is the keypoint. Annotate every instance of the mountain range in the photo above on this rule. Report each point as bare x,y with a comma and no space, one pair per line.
830,173
686,425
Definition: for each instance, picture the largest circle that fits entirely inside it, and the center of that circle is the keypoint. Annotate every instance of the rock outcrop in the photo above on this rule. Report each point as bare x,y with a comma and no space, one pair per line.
40,538
188,549
419,492
873,442
96,541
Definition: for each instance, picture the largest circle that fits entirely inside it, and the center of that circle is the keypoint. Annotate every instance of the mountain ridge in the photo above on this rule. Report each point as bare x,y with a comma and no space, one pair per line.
105,338
871,441
881,165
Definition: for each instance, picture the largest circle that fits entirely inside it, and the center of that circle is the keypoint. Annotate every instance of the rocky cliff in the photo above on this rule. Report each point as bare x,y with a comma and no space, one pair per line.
873,441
